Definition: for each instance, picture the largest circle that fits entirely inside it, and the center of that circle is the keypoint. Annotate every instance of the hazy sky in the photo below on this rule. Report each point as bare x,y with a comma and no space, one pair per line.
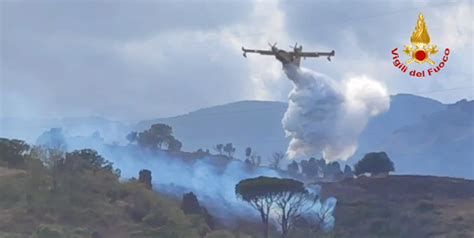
132,60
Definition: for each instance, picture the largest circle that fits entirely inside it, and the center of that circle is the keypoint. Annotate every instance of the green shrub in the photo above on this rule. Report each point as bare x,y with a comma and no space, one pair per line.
12,190
425,206
220,234
139,199
383,228
198,222
13,153
10,235
48,231
81,232
155,219
167,231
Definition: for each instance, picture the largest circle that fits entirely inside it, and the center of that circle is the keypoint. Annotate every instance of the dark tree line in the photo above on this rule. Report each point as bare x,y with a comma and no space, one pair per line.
318,169
252,158
374,163
156,137
227,149
13,153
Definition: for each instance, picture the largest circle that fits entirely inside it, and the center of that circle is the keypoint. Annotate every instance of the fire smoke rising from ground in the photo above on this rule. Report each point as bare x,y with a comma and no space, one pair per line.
325,116
213,180
211,177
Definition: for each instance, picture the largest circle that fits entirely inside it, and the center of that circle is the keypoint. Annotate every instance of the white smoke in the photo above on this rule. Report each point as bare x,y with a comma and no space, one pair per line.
213,180
325,117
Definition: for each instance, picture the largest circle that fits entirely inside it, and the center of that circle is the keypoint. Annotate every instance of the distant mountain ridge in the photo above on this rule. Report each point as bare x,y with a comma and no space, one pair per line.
246,123
30,129
421,135
258,124
444,142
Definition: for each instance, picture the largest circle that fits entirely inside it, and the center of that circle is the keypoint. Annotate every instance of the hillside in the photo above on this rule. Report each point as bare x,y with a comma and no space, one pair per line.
403,206
405,109
246,123
89,205
80,194
414,130
444,143
394,206
28,129
258,124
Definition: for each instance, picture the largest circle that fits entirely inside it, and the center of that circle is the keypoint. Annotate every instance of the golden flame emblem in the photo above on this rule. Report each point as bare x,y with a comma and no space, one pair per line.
420,48
420,35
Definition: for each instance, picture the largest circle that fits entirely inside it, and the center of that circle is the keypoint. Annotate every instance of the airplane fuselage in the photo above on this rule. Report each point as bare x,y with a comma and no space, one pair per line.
288,57
285,58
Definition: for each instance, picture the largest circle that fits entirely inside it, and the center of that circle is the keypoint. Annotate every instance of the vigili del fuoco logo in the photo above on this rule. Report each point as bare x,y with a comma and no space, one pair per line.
420,51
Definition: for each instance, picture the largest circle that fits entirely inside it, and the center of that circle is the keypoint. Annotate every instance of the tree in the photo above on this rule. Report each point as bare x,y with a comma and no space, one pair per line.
248,152
13,153
293,168
374,163
333,171
229,149
132,137
294,201
310,167
190,205
348,172
322,218
258,192
144,176
218,148
155,136
86,159
254,160
53,159
174,144
36,184
321,166
288,198
276,159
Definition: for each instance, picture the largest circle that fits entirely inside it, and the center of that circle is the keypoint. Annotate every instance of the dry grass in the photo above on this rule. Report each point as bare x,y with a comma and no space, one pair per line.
10,172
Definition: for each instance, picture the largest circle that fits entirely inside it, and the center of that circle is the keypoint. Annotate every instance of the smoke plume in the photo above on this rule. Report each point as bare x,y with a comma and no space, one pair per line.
211,177
213,180
325,117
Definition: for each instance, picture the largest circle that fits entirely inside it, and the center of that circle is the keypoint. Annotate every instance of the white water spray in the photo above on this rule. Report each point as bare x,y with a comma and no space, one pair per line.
325,117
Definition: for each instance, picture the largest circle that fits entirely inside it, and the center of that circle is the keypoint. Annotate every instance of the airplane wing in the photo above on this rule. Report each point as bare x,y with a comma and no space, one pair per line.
309,54
262,52
317,54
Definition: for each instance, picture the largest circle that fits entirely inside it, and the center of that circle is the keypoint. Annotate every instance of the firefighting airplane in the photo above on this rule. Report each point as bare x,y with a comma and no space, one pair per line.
289,57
